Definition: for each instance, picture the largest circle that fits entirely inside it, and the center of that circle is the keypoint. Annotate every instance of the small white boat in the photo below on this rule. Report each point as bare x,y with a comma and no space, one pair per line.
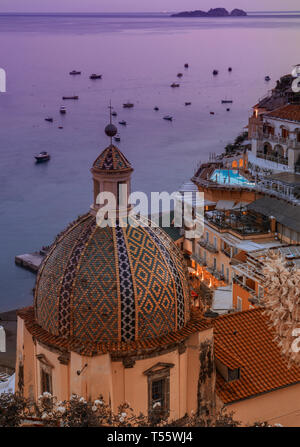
117,137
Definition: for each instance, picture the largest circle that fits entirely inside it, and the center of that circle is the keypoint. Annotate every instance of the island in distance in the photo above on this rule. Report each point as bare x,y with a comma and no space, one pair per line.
214,12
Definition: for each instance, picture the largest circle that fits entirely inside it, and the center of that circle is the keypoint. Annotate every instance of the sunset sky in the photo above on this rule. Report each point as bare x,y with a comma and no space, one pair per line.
142,5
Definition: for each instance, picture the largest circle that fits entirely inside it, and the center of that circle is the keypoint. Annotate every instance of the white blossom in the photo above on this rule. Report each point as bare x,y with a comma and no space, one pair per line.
61,409
94,408
46,394
98,402
121,419
123,415
157,404
44,415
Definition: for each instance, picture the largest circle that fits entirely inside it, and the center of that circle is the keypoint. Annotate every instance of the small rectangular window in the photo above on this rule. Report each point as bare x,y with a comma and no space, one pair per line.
239,306
215,242
46,382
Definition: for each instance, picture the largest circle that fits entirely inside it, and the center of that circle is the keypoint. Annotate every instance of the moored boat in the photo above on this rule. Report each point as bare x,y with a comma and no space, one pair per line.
215,72
63,110
186,65
123,123
156,109
179,75
117,137
188,103
267,78
128,105
168,118
174,85
49,119
70,97
75,72
42,156
95,76
227,101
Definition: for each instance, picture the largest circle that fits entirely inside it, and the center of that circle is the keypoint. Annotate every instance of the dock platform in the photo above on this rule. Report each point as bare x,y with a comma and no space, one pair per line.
30,262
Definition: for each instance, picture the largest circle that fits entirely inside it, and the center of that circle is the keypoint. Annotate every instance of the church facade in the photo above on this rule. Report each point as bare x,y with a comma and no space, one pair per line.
112,314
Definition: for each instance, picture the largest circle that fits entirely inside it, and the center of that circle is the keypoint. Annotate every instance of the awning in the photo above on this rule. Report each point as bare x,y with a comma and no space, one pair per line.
225,204
240,205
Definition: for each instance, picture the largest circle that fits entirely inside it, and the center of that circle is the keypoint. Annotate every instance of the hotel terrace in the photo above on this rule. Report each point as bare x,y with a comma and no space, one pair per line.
252,204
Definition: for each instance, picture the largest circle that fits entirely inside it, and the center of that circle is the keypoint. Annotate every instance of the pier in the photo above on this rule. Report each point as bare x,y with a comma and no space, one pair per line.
31,261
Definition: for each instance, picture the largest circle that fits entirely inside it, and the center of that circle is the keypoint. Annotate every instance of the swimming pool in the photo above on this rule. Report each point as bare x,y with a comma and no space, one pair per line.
230,177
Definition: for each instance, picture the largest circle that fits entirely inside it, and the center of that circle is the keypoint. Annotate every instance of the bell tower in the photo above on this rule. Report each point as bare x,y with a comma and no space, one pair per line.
111,173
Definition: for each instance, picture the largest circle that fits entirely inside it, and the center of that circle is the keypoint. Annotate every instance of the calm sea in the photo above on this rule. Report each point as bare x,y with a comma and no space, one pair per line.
139,57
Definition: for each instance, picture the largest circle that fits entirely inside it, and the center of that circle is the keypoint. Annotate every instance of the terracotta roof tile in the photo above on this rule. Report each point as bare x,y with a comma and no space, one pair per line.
290,112
112,159
197,323
245,337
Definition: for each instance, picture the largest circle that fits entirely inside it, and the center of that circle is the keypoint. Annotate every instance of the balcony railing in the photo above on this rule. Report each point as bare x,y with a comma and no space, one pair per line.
227,252
279,160
286,141
199,259
244,286
208,246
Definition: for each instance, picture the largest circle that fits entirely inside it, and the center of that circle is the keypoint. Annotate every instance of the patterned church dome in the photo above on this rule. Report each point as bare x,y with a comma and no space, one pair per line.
118,284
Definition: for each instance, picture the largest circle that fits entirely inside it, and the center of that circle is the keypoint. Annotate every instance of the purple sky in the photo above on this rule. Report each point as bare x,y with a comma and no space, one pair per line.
142,5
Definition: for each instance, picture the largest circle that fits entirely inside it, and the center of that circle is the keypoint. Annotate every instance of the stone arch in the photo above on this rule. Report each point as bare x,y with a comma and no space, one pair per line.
267,148
278,151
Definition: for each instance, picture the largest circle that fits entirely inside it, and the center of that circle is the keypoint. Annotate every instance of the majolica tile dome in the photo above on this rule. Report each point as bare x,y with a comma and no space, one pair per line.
112,284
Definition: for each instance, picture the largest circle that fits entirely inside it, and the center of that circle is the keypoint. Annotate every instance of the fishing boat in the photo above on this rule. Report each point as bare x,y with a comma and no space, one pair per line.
215,72
123,123
128,105
168,118
75,72
117,137
42,156
63,110
70,97
267,78
227,101
174,85
49,119
188,103
95,76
